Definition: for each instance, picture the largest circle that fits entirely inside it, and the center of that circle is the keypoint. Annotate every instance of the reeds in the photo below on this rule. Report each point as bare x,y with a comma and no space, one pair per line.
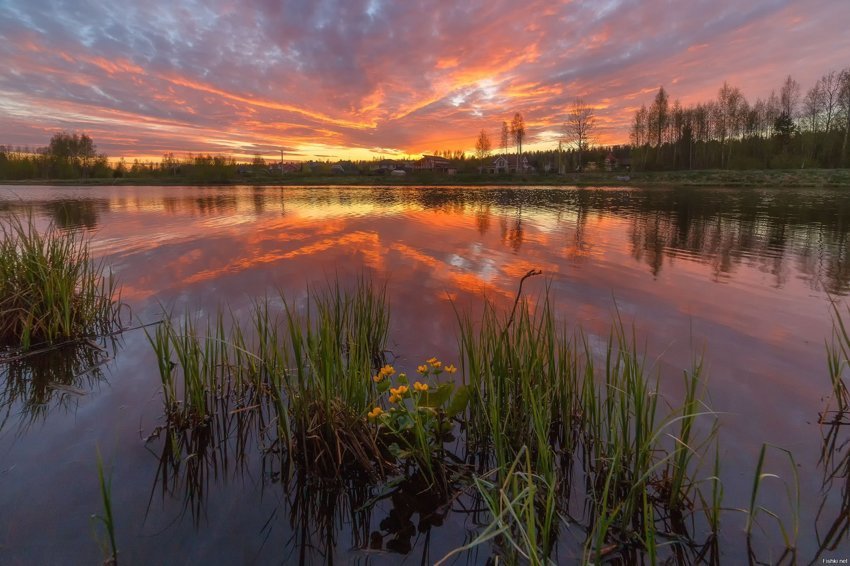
330,348
523,514
838,359
110,547
535,389
50,288
792,492
548,427
310,368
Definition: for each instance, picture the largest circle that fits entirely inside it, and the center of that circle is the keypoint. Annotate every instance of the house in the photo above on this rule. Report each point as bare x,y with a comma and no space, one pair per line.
433,163
344,168
387,166
497,166
507,164
284,168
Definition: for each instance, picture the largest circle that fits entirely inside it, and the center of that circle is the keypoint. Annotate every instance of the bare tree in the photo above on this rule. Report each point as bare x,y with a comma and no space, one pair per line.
578,128
482,146
730,108
658,117
518,133
789,97
844,104
830,86
639,133
813,105
505,137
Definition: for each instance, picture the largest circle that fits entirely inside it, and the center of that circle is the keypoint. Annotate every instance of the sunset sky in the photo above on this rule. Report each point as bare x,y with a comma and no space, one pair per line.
329,79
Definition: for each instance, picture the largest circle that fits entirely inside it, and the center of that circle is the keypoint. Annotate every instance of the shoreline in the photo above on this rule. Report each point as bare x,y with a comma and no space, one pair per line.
794,178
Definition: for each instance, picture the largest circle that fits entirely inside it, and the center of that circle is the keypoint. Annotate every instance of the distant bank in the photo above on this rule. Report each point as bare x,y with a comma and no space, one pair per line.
707,178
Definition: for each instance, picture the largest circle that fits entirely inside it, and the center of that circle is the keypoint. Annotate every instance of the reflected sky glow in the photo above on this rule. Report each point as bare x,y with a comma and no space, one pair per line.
742,276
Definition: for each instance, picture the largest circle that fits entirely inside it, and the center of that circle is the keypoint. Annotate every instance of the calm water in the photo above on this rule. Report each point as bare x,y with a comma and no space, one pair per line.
743,275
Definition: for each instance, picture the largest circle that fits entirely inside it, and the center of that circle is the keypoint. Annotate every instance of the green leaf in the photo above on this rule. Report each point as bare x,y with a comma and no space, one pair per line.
398,452
438,397
459,401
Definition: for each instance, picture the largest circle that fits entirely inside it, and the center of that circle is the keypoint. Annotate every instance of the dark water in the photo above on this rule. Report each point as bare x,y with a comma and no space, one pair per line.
743,275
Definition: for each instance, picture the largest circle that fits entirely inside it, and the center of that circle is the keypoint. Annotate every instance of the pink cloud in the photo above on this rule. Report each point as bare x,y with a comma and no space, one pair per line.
330,77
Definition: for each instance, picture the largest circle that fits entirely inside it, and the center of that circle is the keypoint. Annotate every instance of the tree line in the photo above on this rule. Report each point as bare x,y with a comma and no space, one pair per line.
67,156
788,129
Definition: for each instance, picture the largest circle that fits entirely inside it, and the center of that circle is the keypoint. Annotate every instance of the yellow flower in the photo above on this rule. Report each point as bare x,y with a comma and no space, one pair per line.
394,398
450,368
420,386
387,370
399,391
433,361
374,413
422,369
378,378
402,375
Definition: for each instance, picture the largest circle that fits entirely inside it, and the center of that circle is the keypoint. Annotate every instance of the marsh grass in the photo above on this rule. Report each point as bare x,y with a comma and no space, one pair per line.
50,289
791,485
523,514
838,359
331,347
305,370
834,458
109,546
535,389
547,428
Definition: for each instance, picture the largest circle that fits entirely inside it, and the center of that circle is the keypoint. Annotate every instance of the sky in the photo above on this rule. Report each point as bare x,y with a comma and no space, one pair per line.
364,79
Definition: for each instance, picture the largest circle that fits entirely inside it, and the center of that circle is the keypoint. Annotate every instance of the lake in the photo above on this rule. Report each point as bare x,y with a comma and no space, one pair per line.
743,276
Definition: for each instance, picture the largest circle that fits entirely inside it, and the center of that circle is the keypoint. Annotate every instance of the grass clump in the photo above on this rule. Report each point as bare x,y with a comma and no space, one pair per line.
594,425
330,347
50,289
306,370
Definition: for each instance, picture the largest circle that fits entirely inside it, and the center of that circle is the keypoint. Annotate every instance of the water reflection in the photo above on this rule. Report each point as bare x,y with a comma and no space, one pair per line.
778,232
35,383
748,269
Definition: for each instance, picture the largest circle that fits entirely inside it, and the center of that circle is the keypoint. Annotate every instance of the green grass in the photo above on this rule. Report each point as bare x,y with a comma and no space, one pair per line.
50,288
838,359
541,425
707,178
792,491
310,364
110,547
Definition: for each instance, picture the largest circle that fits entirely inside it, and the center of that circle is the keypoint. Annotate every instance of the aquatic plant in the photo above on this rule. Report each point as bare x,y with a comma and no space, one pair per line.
418,419
110,547
50,288
310,365
838,359
522,511
538,422
792,491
